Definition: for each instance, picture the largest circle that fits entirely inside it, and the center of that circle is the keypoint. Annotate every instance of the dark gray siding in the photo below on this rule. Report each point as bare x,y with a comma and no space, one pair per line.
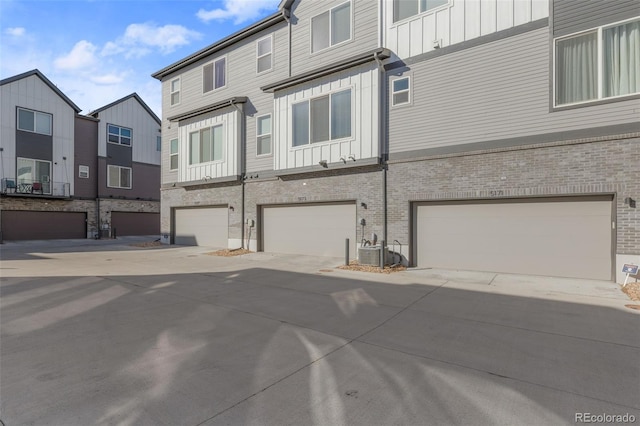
34,145
145,182
86,154
570,16
119,155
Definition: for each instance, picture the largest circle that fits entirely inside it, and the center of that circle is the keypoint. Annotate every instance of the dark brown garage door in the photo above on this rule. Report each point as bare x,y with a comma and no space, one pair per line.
29,225
135,223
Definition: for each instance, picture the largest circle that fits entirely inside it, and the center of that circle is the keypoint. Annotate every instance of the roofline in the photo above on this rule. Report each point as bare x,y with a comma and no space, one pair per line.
48,82
378,54
280,16
136,97
209,108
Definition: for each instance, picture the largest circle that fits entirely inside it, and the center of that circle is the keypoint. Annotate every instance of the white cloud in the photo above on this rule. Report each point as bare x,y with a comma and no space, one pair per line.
238,10
81,56
15,31
140,39
108,79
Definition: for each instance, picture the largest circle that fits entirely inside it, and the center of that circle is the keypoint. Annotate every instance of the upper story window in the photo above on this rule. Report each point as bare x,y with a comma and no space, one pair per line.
175,91
403,9
34,121
598,64
331,27
118,177
214,75
118,135
322,119
173,155
263,135
264,50
206,145
400,91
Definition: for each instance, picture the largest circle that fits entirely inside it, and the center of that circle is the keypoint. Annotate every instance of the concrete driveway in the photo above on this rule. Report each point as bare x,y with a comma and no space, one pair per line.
102,332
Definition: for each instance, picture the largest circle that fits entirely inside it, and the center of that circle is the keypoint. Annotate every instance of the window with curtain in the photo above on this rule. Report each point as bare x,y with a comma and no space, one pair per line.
214,75
322,118
205,145
599,64
331,27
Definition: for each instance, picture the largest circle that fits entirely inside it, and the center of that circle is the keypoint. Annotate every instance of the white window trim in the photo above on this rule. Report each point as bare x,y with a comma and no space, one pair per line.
599,66
83,170
118,143
270,36
177,154
417,15
270,134
34,121
410,101
330,141
171,92
224,140
226,74
331,46
109,166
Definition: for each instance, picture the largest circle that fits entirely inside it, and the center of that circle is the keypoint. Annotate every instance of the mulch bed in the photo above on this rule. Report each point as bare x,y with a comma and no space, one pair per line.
633,291
147,244
229,252
355,266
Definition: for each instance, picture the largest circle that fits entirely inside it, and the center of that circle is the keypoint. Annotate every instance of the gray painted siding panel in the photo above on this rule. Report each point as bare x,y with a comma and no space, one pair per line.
119,155
364,33
34,145
86,154
570,16
495,91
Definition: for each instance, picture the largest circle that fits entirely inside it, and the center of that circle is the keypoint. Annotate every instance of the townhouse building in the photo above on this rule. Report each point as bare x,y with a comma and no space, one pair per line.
485,135
56,182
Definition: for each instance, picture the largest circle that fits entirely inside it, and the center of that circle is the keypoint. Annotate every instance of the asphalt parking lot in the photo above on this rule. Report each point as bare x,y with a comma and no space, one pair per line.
106,333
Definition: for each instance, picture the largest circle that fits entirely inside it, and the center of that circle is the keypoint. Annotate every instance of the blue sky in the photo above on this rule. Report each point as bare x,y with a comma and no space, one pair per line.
97,51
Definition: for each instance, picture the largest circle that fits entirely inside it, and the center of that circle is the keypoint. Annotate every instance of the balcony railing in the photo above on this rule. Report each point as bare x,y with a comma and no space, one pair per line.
33,187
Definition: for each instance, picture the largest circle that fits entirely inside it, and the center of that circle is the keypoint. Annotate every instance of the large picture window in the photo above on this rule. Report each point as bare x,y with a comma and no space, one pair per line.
598,64
34,121
331,27
34,174
119,135
119,177
206,145
403,9
322,119
214,75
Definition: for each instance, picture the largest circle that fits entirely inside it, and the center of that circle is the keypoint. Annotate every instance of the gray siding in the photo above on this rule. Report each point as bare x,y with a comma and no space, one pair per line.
570,16
364,33
145,182
86,154
495,91
34,145
119,155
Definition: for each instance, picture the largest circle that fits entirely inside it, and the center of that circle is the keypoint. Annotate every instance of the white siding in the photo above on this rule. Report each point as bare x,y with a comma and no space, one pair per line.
462,20
363,143
32,93
145,130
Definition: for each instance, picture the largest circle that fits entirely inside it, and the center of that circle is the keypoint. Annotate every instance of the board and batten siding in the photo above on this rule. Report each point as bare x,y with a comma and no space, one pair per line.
364,33
460,20
570,16
145,130
34,94
228,166
363,143
495,91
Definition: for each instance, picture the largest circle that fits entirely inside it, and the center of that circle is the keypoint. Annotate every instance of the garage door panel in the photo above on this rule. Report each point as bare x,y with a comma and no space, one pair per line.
207,226
135,223
34,225
318,230
567,238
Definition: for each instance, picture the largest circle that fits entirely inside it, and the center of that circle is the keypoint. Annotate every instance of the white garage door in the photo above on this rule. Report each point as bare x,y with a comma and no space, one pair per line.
319,229
556,237
206,226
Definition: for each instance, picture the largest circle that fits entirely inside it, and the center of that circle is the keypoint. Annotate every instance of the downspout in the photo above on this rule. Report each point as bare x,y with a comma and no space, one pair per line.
242,163
286,13
381,139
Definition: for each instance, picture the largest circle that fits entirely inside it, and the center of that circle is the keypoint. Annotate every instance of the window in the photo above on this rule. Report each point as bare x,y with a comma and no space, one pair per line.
205,145
33,121
175,91
331,27
119,135
159,143
173,156
264,54
119,177
403,9
323,118
400,91
263,134
83,172
32,171
214,75
598,64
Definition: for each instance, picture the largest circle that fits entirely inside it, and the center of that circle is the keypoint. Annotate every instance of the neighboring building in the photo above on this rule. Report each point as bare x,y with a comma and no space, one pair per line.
50,183
454,127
